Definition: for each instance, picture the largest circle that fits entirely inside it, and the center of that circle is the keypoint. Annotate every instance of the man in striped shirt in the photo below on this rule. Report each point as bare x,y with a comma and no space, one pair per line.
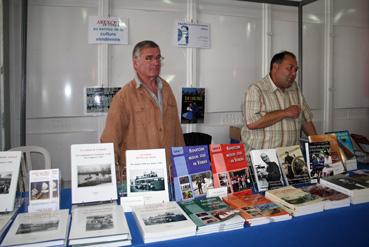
274,108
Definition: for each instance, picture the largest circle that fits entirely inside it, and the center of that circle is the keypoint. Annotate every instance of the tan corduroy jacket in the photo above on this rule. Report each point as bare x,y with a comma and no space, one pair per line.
134,122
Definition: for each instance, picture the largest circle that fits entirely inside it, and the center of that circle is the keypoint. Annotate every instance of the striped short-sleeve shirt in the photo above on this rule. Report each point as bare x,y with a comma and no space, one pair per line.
262,97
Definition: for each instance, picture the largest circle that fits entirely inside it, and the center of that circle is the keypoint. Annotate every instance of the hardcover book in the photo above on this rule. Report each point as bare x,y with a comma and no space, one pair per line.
147,175
39,229
230,169
105,223
267,171
9,173
191,170
163,221
93,173
212,215
294,167
44,187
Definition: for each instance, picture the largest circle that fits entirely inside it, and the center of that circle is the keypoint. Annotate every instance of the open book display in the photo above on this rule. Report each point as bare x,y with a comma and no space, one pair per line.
9,173
147,175
230,169
191,170
39,229
94,181
44,187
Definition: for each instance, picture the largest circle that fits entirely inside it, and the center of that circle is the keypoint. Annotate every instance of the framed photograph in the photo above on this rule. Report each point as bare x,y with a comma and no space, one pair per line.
98,99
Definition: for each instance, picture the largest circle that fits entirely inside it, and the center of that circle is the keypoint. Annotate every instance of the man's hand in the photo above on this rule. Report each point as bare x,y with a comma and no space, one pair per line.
293,111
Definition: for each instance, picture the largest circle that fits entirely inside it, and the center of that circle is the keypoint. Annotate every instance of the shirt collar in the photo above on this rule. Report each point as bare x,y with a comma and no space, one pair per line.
139,82
274,87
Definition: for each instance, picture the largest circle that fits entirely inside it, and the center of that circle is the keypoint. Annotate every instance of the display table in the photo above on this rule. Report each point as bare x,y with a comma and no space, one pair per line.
337,227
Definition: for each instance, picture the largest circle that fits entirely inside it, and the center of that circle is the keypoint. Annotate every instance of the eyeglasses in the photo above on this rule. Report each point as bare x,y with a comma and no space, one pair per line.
151,58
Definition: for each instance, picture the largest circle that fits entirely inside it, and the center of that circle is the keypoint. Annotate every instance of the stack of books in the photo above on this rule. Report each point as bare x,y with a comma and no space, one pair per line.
296,201
163,221
256,209
354,184
332,198
212,215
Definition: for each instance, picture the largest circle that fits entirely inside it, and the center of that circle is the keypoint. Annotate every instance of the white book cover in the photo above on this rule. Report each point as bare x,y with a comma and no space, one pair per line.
44,187
93,173
9,173
147,175
38,229
163,221
98,223
267,171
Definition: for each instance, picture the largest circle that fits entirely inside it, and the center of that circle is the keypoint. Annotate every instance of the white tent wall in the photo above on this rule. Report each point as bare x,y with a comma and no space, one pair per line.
60,62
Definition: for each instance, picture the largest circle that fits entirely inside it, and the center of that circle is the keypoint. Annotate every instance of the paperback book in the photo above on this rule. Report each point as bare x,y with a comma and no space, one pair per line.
163,221
9,173
193,105
332,198
39,229
296,201
147,175
191,170
44,187
230,169
212,215
267,171
257,209
294,167
97,224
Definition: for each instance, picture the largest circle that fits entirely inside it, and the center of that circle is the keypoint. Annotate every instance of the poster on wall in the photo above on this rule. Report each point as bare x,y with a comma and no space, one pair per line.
98,99
193,105
192,35
108,30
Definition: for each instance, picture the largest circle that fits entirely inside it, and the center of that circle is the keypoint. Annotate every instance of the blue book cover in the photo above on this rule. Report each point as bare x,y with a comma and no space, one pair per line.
192,175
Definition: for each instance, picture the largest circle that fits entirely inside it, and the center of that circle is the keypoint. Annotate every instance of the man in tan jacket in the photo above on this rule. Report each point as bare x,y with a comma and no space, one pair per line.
143,114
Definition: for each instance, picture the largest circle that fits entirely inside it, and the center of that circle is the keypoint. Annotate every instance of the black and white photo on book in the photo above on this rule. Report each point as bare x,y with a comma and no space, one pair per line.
147,175
93,173
9,173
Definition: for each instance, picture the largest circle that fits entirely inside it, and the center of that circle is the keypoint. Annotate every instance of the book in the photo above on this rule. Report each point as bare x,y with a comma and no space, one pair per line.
362,142
354,184
212,215
294,167
163,221
257,209
9,173
319,160
267,171
346,149
230,168
332,198
44,187
93,173
97,224
5,220
193,105
296,201
39,229
191,170
147,175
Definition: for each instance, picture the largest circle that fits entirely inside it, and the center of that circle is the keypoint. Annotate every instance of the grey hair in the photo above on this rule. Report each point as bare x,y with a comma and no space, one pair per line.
141,45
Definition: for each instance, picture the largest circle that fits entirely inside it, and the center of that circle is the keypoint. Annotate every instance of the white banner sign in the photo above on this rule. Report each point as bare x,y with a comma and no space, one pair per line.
193,35
107,30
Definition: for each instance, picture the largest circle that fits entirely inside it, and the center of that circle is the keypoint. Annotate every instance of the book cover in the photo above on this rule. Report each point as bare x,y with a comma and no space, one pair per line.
147,175
362,142
93,173
98,223
293,164
193,105
39,228
333,198
230,169
9,173
335,154
192,175
320,162
346,149
163,221
267,170
44,187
